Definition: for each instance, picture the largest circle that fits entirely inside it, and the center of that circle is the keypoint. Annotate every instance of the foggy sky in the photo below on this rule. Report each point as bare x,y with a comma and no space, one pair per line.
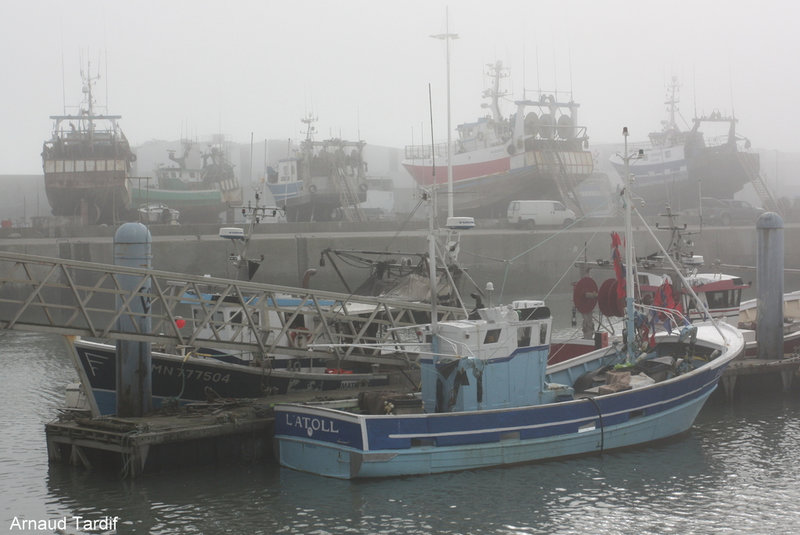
194,68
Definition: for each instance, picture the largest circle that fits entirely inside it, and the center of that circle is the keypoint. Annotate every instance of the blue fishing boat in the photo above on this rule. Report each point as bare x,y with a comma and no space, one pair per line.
322,181
199,377
488,398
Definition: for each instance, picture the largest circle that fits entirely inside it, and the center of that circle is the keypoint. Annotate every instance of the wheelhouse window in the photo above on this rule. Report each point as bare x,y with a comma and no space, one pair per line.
523,336
723,298
492,336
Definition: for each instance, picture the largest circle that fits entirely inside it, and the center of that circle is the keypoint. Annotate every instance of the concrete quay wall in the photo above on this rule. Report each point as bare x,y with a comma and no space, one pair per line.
518,262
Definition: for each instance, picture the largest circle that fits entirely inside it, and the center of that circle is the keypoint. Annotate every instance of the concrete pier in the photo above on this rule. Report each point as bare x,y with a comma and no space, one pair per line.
190,435
194,436
761,371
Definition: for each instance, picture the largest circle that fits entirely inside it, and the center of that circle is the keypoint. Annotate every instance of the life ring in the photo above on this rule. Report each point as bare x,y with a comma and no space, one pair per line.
312,188
299,337
512,149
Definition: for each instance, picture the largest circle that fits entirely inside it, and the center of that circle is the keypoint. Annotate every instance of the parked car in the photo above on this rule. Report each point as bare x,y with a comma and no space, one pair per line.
722,212
158,213
539,213
742,211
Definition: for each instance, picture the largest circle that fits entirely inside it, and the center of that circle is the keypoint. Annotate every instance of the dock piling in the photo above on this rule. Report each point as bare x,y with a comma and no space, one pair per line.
134,362
769,278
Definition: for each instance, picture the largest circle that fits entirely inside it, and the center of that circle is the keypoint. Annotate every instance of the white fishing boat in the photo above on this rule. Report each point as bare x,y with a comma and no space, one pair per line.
748,322
488,398
538,152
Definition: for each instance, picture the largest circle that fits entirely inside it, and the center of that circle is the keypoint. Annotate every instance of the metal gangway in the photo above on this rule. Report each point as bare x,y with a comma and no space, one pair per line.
187,312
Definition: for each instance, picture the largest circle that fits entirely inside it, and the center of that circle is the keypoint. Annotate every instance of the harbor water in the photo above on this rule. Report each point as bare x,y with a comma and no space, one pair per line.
736,471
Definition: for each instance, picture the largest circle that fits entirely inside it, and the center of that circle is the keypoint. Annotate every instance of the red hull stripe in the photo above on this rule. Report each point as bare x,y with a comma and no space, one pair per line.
424,174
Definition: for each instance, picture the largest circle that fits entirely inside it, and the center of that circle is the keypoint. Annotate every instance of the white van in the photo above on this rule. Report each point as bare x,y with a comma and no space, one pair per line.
539,213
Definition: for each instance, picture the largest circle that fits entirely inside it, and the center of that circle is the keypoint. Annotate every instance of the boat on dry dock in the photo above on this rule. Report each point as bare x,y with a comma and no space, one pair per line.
680,165
322,181
200,184
86,163
539,152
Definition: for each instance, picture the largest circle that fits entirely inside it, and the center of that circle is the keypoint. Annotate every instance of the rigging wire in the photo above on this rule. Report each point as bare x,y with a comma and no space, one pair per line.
509,261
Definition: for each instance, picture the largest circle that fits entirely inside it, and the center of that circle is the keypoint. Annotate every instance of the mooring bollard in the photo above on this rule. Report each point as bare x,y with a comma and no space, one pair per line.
132,246
769,279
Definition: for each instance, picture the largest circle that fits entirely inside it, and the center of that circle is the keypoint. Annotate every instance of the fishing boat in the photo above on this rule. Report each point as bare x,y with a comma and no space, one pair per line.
197,377
263,341
204,371
748,322
488,397
323,181
200,184
539,152
86,163
679,166
696,295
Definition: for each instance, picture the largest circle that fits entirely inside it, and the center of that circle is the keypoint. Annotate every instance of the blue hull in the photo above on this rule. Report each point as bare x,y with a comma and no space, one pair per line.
349,463
344,445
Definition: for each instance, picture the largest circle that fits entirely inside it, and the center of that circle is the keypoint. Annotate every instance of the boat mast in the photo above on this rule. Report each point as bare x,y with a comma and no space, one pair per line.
447,36
87,90
627,200
433,281
672,104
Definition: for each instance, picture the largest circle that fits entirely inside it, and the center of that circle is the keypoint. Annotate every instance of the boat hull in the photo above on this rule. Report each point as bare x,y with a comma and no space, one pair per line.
485,184
345,445
93,196
671,176
176,378
195,206
504,438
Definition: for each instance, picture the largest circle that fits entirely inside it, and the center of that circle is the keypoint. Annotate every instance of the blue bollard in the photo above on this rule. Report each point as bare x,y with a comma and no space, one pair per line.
132,246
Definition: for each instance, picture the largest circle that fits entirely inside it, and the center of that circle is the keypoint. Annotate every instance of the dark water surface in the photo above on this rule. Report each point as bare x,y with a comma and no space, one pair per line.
737,471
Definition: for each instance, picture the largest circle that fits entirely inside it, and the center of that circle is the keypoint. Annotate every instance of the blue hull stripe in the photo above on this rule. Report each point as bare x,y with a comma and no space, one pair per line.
376,433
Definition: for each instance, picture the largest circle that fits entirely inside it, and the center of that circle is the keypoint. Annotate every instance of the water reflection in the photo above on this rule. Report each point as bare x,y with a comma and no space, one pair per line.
735,471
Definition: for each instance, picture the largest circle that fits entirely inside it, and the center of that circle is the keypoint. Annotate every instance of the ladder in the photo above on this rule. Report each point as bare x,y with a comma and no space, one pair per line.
759,182
768,201
348,197
557,169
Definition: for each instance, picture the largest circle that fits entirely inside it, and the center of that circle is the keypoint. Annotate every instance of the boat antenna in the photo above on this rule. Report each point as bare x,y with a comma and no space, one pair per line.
524,93
266,149
730,83
555,73
250,172
105,69
63,88
569,64
447,37
538,78
433,151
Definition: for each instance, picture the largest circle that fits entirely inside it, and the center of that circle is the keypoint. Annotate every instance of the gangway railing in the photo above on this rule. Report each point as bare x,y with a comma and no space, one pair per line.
188,312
